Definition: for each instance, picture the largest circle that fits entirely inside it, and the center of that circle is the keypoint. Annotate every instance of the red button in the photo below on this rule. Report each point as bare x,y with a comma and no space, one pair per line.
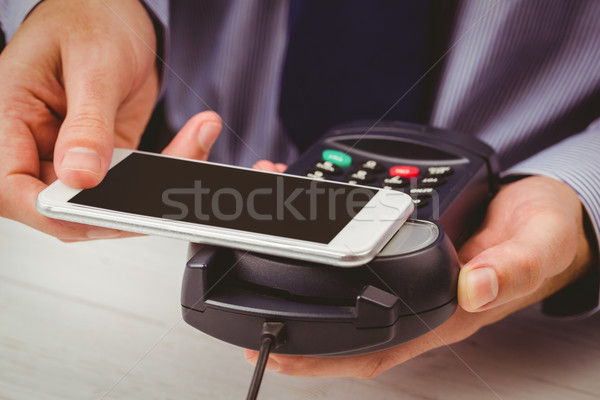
405,171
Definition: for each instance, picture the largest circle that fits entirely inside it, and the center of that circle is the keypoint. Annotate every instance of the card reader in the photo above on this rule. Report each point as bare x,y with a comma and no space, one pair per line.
406,291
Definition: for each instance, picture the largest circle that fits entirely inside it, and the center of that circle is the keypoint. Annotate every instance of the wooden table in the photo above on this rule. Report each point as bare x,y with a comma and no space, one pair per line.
102,320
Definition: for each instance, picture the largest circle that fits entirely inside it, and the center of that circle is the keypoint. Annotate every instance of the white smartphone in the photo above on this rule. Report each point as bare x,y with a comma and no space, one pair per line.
277,214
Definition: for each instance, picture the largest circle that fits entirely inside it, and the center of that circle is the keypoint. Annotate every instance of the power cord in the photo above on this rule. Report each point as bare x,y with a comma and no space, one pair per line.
272,337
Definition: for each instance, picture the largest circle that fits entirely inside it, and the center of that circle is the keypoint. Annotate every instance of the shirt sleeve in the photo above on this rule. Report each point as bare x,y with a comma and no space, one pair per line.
12,14
575,161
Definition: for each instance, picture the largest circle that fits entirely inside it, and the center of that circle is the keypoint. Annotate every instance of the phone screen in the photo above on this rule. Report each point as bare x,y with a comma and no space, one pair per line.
228,197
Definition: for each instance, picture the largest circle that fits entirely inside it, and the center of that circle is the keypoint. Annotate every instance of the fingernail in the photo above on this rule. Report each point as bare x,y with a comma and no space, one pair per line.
102,233
482,286
272,365
82,159
208,134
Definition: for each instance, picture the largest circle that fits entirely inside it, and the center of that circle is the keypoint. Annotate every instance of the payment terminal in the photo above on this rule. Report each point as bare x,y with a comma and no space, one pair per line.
406,291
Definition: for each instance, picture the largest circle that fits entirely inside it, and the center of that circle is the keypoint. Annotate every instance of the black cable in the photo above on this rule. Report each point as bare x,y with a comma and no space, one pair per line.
259,370
272,337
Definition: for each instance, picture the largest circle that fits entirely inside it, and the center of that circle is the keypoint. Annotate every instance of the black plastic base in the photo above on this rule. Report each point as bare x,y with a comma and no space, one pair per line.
316,337
327,310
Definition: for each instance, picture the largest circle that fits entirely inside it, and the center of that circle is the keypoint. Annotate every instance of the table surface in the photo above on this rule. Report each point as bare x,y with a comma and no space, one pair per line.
102,320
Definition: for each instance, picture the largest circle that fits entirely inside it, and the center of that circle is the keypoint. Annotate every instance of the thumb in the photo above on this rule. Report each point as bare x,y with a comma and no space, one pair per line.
515,267
86,138
197,136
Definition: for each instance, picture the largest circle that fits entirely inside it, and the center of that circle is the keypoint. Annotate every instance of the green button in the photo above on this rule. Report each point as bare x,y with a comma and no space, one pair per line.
338,158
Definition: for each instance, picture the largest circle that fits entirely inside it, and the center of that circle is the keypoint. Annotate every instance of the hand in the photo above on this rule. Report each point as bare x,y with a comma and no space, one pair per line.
79,78
530,245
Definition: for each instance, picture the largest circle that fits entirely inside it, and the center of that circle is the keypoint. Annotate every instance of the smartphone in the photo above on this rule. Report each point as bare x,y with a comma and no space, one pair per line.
264,212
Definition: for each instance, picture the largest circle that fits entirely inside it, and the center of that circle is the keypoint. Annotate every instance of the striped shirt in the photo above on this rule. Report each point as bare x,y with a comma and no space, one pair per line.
521,75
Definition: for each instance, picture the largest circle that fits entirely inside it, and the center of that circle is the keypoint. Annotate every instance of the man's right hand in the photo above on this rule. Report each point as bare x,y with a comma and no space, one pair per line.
78,79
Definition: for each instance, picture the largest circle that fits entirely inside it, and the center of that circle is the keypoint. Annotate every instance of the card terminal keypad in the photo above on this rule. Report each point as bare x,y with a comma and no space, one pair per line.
417,180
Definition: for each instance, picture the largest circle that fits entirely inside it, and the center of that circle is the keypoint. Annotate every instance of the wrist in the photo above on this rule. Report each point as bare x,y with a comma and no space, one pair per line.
578,297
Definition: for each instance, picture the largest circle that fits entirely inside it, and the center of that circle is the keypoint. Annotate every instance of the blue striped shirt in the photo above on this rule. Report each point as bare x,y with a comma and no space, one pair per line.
521,75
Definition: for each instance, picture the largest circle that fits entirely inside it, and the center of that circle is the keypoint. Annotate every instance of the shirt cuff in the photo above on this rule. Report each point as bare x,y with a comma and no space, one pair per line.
574,161
13,13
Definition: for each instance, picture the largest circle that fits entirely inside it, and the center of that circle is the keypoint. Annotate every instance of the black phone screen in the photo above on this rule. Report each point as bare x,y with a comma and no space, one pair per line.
228,197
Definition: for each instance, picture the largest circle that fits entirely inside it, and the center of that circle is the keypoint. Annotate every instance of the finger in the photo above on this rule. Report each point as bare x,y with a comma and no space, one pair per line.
280,167
265,165
95,85
252,357
361,366
540,249
19,183
47,173
18,196
197,137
